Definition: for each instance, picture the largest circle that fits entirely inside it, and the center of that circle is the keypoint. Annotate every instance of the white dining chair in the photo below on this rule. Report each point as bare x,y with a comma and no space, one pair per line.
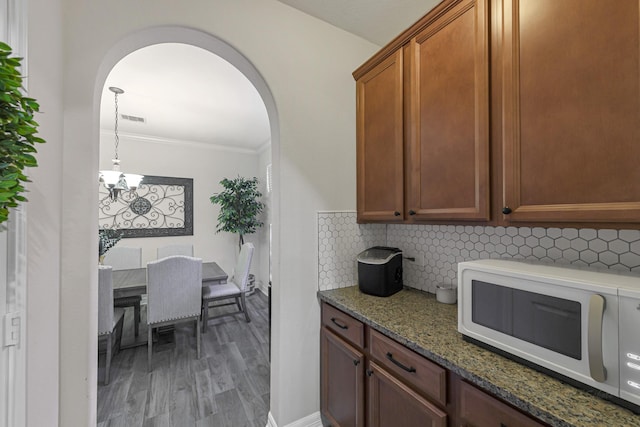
169,250
124,258
110,318
174,292
235,288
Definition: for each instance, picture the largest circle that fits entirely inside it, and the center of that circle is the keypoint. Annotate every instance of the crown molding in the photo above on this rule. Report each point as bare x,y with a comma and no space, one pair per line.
182,143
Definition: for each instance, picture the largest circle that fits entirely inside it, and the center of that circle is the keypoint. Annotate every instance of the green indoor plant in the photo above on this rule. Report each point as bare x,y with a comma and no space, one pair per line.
17,133
239,206
107,238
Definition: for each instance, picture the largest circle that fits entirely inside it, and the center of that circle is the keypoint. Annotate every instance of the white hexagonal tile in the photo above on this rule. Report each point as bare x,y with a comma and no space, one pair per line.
562,243
518,240
554,253
579,244
608,258
589,256
629,235
570,255
630,259
619,246
607,235
539,252
598,245
554,233
525,251
546,242
569,233
539,232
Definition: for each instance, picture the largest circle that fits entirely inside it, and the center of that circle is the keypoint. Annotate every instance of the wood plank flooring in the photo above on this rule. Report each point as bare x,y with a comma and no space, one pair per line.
227,386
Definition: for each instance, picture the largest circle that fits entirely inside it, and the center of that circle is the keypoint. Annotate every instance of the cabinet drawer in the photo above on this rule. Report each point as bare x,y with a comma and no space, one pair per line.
425,376
478,408
343,325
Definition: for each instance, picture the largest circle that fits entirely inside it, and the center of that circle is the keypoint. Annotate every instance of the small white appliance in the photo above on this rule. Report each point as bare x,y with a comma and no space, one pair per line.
581,325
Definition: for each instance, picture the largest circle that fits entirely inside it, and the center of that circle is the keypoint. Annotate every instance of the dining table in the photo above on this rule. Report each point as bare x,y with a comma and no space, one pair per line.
132,282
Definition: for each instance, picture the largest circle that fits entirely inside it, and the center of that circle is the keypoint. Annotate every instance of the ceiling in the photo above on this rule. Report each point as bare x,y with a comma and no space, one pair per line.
185,93
378,21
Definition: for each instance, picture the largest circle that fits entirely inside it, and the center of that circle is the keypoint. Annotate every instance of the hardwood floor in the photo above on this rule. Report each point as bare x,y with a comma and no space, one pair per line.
227,386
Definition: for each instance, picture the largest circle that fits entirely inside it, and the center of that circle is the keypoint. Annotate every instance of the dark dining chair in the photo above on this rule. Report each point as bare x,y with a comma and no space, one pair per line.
235,288
174,291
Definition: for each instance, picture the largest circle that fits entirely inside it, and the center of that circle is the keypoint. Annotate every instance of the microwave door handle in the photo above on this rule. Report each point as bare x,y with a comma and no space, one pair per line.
594,337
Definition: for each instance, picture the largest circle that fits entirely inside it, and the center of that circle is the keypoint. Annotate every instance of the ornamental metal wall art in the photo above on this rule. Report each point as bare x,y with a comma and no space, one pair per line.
160,206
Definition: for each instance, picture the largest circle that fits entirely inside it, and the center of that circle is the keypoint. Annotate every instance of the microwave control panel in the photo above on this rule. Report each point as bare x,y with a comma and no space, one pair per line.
629,348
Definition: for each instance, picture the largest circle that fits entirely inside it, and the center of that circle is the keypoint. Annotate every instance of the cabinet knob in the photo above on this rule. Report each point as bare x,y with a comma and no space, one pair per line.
412,212
356,362
369,372
396,213
506,210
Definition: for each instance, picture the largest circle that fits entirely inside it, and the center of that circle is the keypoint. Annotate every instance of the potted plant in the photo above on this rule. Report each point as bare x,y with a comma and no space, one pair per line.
239,207
107,238
17,133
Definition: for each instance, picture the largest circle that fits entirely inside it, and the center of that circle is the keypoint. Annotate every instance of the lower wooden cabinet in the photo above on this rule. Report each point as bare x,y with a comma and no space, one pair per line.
342,378
392,403
368,379
479,409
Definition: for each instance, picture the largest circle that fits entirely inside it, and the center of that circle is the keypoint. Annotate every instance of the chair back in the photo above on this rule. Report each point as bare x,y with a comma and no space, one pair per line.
165,251
240,275
121,258
174,288
105,299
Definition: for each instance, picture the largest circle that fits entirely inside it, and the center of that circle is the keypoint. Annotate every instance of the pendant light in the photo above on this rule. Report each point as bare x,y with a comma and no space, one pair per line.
114,180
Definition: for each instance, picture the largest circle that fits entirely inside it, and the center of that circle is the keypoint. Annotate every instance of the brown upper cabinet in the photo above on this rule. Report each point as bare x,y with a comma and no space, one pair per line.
422,122
379,122
555,86
448,116
571,110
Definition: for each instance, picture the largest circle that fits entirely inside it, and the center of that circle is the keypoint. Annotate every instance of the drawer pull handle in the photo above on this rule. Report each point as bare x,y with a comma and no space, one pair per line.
338,324
409,369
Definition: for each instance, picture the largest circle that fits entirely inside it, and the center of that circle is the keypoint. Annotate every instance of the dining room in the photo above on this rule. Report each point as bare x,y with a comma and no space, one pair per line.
185,139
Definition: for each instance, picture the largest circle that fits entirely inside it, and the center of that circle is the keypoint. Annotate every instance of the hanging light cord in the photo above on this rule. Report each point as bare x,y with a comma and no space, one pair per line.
116,126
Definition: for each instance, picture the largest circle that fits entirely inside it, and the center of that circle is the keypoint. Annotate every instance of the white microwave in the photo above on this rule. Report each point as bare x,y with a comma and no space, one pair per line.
577,324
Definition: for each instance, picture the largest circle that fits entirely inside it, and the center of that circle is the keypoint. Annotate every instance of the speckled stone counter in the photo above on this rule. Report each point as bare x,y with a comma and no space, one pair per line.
418,321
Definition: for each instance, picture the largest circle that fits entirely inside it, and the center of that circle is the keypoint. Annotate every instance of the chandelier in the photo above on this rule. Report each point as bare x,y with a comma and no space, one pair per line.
115,180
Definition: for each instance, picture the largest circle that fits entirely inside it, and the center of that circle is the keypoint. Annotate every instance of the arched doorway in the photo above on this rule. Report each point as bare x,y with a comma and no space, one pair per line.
220,48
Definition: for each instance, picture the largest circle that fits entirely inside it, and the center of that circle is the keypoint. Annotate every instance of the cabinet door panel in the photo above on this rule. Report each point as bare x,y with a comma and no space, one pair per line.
478,409
391,403
449,160
571,110
380,163
342,381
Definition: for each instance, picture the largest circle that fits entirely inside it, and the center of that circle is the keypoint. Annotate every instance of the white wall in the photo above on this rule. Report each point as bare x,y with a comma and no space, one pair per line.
307,66
262,276
45,59
206,165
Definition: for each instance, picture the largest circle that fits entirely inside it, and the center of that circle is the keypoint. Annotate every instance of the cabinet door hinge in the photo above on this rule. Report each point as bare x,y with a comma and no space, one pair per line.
11,329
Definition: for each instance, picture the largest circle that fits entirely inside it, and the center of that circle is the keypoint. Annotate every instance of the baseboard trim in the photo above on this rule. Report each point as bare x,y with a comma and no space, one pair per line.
312,420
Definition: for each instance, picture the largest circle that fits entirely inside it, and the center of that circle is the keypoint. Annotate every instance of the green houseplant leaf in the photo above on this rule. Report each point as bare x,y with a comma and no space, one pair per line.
239,206
17,132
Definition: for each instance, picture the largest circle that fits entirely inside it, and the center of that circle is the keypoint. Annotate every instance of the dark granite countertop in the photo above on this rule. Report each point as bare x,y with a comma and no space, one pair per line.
415,319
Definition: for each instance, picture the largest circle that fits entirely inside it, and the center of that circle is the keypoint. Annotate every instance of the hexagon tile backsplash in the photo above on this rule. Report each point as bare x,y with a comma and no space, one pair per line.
442,247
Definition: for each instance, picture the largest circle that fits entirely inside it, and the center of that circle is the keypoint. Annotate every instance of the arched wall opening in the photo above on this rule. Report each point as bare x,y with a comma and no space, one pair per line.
174,34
